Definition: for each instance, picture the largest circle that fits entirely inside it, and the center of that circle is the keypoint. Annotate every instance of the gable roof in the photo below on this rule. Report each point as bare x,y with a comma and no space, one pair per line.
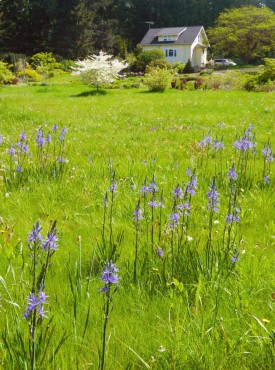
186,35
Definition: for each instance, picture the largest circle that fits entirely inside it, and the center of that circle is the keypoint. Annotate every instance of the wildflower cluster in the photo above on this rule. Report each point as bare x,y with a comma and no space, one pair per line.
37,244
50,151
109,277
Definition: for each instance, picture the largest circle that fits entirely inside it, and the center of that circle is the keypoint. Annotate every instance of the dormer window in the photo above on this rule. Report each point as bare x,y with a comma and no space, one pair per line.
167,38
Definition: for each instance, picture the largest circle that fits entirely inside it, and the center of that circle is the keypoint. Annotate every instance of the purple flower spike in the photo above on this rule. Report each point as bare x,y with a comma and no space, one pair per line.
109,277
36,302
192,185
40,141
137,214
55,127
11,151
113,186
51,242
178,192
232,175
174,217
213,197
266,180
160,252
153,186
23,136
35,236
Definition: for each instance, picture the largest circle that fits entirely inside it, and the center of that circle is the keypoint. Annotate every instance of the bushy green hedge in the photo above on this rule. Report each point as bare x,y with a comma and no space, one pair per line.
158,79
6,75
30,75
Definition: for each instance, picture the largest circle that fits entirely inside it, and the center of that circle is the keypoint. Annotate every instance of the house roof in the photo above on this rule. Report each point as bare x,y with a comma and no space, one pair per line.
186,35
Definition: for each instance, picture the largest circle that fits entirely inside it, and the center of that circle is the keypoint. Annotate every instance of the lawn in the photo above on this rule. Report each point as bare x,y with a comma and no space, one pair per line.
196,269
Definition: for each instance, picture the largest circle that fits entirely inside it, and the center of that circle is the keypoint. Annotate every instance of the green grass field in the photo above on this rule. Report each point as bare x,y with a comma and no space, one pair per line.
191,308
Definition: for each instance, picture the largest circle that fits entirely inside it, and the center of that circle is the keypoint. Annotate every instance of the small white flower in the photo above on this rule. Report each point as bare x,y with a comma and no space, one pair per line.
7,195
161,348
189,238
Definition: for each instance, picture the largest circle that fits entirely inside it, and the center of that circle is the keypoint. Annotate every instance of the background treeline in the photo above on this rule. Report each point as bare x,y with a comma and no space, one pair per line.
77,28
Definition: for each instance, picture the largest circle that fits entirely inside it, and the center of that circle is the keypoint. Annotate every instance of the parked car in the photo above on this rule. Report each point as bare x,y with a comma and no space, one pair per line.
224,62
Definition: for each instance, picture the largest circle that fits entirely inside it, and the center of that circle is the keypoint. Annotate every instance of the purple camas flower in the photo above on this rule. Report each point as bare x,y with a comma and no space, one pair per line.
205,140
18,168
48,138
61,160
55,127
178,192
105,201
25,148
11,151
266,179
192,185
233,216
213,197
109,277
174,217
144,189
36,302
50,243
188,172
232,175
23,136
160,252
246,142
113,186
234,259
35,236
40,138
185,208
137,214
62,134
218,145
267,153
153,186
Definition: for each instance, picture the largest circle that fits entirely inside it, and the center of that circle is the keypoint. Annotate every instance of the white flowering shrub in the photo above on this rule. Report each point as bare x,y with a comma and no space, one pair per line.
99,70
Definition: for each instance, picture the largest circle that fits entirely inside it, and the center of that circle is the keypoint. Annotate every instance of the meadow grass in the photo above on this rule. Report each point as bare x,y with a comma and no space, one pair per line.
191,308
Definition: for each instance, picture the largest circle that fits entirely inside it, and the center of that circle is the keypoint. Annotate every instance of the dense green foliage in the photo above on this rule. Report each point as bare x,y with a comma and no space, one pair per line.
6,76
157,78
206,313
77,28
247,32
145,57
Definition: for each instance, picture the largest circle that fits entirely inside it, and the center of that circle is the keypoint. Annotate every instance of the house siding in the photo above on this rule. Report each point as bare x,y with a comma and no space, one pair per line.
183,52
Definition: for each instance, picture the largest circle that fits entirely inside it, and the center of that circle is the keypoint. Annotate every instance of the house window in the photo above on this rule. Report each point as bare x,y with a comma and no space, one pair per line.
171,53
167,38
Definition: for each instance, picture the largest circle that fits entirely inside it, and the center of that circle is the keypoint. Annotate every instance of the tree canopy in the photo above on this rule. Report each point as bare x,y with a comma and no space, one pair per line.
77,28
245,32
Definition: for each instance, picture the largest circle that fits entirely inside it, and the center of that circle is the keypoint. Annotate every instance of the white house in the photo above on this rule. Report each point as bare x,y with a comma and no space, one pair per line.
179,44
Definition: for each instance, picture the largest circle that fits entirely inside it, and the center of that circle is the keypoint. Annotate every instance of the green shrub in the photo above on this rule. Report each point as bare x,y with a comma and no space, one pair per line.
229,80
268,73
148,56
269,86
158,79
188,67
178,67
43,60
161,63
6,76
30,75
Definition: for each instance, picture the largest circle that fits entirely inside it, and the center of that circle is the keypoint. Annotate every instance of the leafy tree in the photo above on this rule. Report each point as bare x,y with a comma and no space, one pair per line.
99,70
246,32
148,56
